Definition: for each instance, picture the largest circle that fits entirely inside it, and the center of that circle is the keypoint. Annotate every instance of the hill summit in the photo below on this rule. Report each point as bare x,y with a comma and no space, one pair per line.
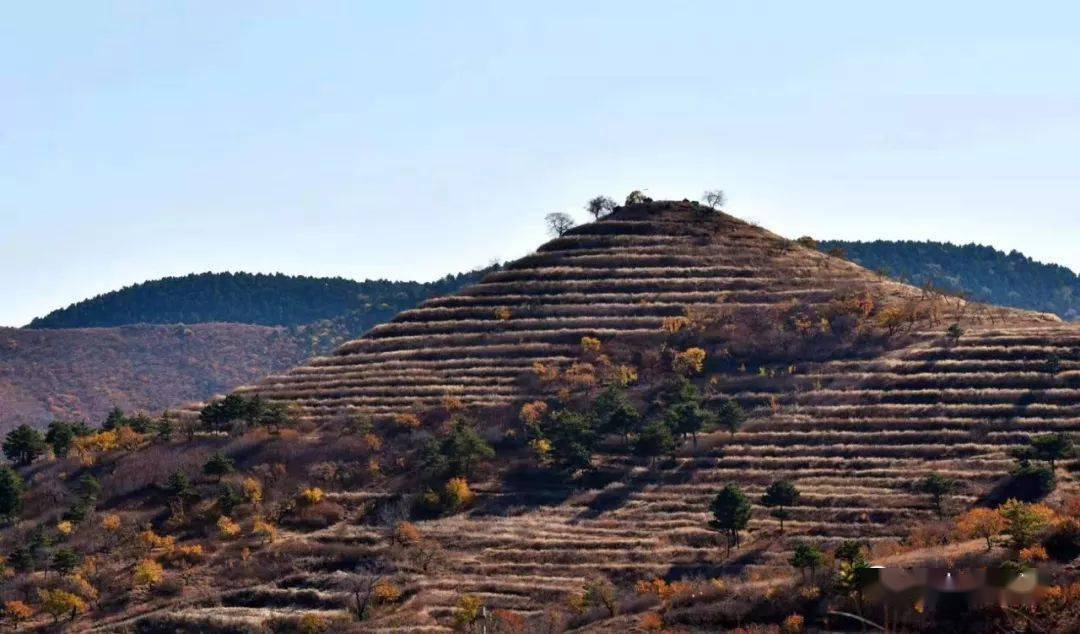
621,277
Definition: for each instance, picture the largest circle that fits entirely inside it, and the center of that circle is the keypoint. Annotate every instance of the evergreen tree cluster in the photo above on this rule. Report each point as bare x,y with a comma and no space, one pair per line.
983,273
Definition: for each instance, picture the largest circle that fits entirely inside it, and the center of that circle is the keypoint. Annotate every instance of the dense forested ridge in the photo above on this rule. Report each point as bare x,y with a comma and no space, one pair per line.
983,273
67,366
250,298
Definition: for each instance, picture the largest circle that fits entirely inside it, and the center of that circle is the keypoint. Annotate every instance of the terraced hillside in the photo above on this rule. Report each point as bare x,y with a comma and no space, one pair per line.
853,435
619,277
852,431
856,387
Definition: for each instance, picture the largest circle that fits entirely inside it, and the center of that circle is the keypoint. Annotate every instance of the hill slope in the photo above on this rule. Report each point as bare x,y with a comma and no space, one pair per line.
983,273
855,386
247,298
83,373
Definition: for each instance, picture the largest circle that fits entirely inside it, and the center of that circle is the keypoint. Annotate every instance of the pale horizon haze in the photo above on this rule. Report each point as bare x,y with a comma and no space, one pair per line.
408,140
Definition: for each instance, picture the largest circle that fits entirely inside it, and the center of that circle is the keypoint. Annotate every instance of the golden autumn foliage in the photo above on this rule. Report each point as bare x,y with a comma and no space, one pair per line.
662,589
152,541
590,345
502,313
371,443
122,437
541,449
623,375
651,622
406,534
469,609
264,529
312,624
385,592
452,404
689,361
578,603
532,413
675,324
458,494
227,528
580,376
981,523
17,611
253,490
65,527
311,496
148,573
793,624
1033,554
545,373
891,318
111,522
186,555
60,603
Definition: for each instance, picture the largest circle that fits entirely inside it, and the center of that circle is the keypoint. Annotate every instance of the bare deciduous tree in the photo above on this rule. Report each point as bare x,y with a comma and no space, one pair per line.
362,587
559,223
599,206
714,198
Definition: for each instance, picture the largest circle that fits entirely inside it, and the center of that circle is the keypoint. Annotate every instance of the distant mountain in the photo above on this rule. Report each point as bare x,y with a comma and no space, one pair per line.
983,273
82,373
249,298
65,365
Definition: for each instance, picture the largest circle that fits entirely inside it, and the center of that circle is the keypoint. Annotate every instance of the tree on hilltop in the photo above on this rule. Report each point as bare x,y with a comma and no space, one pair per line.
714,198
558,223
600,206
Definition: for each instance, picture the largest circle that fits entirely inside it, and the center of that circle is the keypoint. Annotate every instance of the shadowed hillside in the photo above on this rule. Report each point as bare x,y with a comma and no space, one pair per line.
83,373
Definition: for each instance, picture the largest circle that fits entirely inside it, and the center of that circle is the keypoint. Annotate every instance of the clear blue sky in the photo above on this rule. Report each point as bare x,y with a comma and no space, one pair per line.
407,140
